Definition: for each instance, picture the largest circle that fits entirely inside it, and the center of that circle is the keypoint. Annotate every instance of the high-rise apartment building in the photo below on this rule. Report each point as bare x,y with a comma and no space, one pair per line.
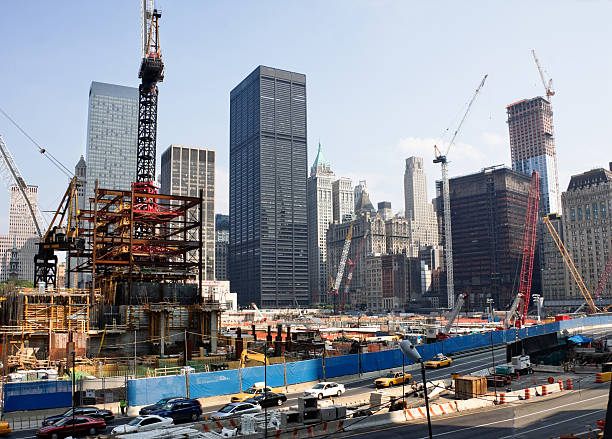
112,132
488,215
343,199
187,171
587,228
18,248
221,246
268,170
384,209
320,216
420,212
532,147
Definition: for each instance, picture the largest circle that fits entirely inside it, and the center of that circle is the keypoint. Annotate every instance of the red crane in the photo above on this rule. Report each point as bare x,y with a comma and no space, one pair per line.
531,222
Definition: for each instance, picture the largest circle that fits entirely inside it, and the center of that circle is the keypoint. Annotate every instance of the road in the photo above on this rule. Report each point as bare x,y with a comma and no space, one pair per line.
464,365
550,416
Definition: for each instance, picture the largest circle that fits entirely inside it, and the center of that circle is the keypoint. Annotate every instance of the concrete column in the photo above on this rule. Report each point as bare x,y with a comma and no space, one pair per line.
213,332
162,333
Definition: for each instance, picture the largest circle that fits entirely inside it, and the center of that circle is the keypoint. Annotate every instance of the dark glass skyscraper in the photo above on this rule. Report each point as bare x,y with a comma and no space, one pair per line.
268,228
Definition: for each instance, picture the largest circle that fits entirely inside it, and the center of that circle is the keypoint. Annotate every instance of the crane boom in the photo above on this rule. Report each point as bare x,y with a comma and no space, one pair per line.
10,168
454,313
448,236
570,265
349,276
343,257
548,86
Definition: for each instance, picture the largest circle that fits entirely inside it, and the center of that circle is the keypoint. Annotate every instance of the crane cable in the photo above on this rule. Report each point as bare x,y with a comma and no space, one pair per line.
59,165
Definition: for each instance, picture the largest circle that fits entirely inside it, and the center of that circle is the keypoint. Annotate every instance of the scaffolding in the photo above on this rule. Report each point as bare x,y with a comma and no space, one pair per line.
118,253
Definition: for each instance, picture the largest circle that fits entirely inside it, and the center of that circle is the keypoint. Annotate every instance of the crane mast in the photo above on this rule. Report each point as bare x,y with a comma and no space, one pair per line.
453,315
151,72
448,237
343,257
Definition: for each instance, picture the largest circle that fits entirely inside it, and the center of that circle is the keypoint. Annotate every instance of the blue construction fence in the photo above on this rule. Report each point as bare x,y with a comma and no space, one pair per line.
53,394
149,390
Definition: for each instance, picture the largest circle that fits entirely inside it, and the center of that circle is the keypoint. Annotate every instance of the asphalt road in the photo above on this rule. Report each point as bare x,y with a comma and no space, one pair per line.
551,416
464,365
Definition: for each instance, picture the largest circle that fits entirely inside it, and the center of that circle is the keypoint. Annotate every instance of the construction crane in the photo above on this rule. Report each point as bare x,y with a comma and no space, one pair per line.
570,265
529,237
548,85
452,317
11,176
151,72
448,238
520,304
343,258
262,318
349,276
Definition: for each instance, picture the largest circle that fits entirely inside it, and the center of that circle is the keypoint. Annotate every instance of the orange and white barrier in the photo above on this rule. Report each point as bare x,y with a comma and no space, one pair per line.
560,383
544,390
217,426
502,398
569,384
527,393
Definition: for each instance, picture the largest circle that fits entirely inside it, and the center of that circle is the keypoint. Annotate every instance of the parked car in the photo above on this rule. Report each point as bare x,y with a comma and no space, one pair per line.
72,426
182,410
159,404
143,423
268,399
325,388
438,361
5,428
92,412
393,379
235,409
256,389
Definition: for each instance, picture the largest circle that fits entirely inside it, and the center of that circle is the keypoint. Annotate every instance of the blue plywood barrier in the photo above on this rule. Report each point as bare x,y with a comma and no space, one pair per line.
303,371
341,365
273,375
144,391
37,395
206,384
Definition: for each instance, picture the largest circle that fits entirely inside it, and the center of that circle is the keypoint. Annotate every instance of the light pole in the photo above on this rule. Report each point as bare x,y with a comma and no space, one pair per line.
409,349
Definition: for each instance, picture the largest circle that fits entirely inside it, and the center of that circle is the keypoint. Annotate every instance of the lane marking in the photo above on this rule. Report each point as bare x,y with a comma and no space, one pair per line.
556,423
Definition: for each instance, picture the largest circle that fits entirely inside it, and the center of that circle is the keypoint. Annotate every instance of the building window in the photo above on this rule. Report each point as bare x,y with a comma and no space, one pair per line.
602,208
572,214
580,214
595,211
587,212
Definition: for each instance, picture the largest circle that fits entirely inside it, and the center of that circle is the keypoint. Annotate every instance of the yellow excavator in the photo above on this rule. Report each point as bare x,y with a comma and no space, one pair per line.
248,355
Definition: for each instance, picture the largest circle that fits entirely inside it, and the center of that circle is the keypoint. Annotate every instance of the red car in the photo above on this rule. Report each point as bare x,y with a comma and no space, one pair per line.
69,426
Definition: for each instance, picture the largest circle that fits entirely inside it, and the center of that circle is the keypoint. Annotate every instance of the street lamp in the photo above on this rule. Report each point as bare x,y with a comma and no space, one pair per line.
410,350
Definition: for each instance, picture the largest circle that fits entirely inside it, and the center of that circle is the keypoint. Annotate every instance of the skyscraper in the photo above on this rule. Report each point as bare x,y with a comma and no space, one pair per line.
362,199
112,128
185,170
268,170
343,199
420,212
532,146
320,216
17,249
221,246
587,228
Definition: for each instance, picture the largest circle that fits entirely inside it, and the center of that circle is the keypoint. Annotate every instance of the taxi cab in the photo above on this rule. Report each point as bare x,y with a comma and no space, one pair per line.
438,361
393,378
4,428
256,389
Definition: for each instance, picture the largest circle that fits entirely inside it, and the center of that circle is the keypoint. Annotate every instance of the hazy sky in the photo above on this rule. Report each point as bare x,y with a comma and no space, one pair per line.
384,78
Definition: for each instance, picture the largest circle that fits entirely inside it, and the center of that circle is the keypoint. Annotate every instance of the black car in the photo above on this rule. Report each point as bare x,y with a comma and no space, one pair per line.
159,404
269,399
92,412
181,410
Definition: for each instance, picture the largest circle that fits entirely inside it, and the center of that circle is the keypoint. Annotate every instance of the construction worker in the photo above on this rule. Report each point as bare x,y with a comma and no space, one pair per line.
122,406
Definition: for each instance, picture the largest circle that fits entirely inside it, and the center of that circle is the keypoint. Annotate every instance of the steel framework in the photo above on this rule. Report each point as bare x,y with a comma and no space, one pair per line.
117,253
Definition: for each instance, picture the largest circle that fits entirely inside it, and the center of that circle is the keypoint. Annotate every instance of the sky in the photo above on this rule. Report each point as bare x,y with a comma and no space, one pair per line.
385,79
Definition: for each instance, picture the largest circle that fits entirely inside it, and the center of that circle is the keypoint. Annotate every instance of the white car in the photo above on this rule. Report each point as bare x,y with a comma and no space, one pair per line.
143,423
325,388
234,409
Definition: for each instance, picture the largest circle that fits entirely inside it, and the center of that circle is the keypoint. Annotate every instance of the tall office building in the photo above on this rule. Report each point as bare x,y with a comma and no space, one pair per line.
343,199
362,199
185,171
320,216
112,132
384,209
532,147
221,246
587,228
488,215
77,279
18,248
268,170
420,212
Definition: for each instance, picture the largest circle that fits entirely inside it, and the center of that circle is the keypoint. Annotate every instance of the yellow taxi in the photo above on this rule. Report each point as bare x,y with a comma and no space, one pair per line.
392,379
438,361
252,391
4,428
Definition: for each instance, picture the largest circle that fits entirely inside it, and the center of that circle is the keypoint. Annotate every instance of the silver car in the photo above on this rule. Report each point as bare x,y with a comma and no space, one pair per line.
235,409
